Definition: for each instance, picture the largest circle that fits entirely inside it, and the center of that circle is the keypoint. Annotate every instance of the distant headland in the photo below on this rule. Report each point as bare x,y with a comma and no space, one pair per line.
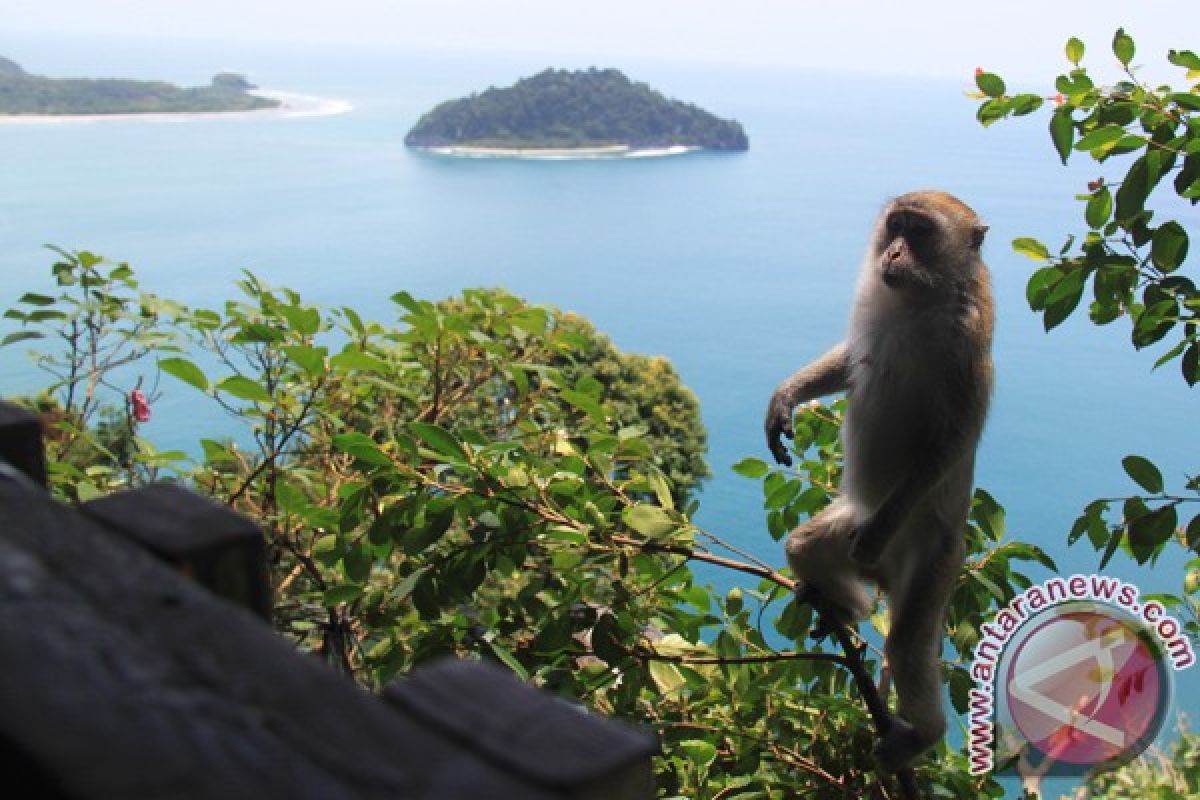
22,93
593,113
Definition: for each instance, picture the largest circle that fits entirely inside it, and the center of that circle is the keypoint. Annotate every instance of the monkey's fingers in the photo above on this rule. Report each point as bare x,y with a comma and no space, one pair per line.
779,450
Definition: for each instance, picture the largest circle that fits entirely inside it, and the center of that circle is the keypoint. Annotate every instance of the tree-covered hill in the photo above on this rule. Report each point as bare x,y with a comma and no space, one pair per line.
24,93
584,108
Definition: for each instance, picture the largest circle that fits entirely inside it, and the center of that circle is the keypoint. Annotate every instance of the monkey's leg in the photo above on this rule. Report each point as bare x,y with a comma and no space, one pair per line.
918,604
819,554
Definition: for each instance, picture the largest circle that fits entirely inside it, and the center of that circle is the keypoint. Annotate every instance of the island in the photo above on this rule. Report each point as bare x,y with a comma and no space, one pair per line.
562,113
22,93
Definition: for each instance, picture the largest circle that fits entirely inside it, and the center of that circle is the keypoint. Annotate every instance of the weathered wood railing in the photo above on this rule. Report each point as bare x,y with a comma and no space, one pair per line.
135,663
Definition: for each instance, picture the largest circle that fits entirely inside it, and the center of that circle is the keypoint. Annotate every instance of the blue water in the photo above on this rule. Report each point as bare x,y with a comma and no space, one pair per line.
738,267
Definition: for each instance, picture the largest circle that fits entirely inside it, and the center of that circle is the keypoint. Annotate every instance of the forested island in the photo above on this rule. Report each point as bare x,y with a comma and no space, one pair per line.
24,93
600,111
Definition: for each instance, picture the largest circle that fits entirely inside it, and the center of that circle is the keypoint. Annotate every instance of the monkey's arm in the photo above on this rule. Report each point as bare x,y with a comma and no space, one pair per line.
828,374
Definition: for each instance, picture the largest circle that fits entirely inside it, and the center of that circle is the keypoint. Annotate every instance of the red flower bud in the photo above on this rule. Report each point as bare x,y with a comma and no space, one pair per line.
1059,99
978,71
141,407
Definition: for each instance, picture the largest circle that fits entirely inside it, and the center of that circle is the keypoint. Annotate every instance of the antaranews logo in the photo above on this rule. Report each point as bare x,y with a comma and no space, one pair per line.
1073,676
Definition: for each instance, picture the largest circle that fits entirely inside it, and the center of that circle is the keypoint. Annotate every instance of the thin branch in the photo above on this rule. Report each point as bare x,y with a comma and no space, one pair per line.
787,655
866,686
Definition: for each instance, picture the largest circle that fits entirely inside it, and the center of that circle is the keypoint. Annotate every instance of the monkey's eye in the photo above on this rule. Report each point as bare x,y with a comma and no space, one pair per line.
913,225
895,224
918,225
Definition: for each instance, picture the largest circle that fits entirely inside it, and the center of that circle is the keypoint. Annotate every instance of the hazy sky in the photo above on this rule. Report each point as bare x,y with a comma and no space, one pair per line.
1017,38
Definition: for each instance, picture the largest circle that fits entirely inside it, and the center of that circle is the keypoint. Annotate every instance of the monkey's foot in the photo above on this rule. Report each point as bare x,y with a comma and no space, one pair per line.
900,746
806,593
829,615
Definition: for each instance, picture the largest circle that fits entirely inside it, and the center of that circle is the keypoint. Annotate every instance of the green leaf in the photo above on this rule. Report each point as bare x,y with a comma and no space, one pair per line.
1171,354
1190,365
1123,47
217,453
1062,132
406,586
439,439
354,359
1064,298
1024,104
990,84
242,387
1192,535
1149,532
1099,208
1100,138
1144,473
650,521
288,497
1135,188
1031,248
584,402
21,336
751,467
987,583
309,359
305,321
327,544
1041,283
699,752
504,656
358,562
1184,58
1169,246
992,110
1114,542
666,677
783,494
32,299
346,593
1074,50
988,514
362,447
185,371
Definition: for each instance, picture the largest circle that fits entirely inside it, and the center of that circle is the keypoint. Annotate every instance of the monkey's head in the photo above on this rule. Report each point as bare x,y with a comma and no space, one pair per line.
928,241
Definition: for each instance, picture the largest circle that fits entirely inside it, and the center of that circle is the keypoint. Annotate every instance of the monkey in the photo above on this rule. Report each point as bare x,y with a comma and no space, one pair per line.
916,367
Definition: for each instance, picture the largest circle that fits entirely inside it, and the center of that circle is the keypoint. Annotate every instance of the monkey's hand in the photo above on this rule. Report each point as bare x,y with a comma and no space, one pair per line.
778,425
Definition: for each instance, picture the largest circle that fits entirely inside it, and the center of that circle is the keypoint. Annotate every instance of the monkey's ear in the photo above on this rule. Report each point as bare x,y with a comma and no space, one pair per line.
977,234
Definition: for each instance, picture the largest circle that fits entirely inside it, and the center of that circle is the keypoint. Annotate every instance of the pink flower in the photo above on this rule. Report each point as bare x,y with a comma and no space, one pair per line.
978,71
141,406
1059,99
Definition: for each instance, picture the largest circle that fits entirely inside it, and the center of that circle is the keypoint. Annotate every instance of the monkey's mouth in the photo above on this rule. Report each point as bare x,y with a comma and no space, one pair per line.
907,278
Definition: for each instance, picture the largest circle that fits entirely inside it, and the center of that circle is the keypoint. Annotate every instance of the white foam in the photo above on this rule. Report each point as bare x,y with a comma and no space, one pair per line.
292,105
559,153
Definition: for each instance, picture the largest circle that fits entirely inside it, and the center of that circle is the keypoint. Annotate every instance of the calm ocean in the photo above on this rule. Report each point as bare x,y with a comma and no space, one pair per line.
738,267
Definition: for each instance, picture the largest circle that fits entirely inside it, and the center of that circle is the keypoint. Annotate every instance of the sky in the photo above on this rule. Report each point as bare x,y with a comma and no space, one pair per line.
1017,38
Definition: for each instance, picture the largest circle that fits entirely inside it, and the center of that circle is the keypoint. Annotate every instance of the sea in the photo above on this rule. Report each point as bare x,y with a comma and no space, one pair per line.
738,267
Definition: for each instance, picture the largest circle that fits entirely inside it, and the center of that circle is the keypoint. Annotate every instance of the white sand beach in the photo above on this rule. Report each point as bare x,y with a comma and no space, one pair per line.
293,105
558,153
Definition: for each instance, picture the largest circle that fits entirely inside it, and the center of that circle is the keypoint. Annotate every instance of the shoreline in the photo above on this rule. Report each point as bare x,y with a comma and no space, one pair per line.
292,105
557,153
